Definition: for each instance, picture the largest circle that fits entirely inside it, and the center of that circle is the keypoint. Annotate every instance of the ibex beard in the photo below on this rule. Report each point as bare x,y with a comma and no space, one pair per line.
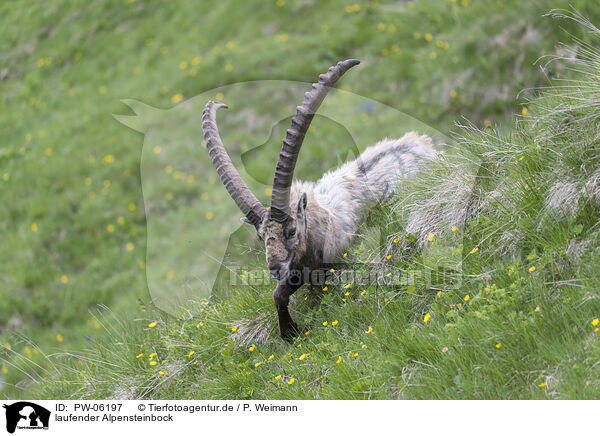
309,224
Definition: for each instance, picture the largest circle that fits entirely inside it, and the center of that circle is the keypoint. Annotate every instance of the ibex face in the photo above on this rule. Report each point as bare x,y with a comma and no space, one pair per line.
285,241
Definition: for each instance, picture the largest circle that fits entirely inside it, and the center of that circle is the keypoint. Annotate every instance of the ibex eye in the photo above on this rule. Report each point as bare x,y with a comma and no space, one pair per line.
292,231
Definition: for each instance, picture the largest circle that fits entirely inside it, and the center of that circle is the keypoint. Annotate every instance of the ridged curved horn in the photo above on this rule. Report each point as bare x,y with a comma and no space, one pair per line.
241,194
284,173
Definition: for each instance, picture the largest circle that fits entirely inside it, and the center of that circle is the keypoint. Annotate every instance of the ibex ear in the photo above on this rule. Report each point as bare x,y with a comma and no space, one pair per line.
301,206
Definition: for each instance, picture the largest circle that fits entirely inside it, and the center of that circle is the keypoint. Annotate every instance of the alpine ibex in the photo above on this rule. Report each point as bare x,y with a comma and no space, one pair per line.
308,224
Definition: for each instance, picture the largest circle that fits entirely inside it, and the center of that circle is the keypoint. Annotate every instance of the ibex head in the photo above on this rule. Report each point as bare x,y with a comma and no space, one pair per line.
283,231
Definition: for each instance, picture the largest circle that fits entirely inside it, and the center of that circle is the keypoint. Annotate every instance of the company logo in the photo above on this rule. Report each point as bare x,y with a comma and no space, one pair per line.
26,415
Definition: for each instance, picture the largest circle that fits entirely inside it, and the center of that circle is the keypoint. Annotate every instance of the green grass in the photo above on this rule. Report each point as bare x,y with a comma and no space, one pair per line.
66,68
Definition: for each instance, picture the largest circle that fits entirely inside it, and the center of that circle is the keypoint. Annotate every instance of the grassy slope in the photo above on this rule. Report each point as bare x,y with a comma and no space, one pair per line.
68,66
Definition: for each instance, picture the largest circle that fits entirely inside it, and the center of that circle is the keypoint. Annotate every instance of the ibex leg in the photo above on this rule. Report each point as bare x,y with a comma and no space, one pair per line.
287,327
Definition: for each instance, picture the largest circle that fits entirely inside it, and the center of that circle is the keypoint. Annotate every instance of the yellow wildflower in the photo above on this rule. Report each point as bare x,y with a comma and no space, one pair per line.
176,98
34,227
453,93
278,377
369,330
345,254
153,324
355,355
234,329
428,37
302,357
131,207
271,357
467,297
474,250
331,270
397,240
252,347
191,353
388,257
325,323
431,236
454,228
335,322
325,288
524,111
427,317
129,246
541,385
532,269
291,381
339,360
595,322
200,324
445,350
257,364
347,286
139,355
498,345
59,337
153,362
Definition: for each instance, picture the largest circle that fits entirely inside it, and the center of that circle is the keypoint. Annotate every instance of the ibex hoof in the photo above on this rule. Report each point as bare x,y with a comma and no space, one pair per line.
289,332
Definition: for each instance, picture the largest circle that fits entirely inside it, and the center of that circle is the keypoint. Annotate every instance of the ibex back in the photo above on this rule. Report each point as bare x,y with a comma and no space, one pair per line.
309,224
